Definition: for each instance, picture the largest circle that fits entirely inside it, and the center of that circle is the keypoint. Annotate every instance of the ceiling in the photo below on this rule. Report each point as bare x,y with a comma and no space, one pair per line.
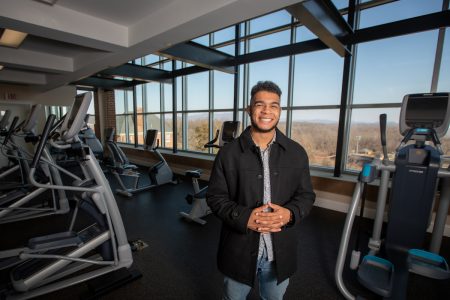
72,40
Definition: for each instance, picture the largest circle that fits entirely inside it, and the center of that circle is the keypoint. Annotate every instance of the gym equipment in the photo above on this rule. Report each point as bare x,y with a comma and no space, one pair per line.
4,120
200,209
159,174
424,118
87,135
52,262
20,201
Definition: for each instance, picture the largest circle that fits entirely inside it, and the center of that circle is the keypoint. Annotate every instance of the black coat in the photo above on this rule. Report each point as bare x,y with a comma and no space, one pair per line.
236,187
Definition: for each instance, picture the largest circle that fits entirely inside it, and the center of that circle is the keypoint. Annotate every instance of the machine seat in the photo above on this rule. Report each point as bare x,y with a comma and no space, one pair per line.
193,173
427,264
377,275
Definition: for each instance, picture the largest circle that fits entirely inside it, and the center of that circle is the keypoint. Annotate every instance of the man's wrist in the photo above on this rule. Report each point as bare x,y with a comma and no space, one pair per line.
291,218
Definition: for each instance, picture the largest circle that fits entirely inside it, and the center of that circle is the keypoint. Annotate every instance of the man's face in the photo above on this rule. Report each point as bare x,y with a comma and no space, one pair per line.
265,111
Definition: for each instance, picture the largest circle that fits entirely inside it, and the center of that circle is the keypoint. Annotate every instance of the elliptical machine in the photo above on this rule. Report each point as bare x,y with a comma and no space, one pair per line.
200,208
159,174
52,262
424,118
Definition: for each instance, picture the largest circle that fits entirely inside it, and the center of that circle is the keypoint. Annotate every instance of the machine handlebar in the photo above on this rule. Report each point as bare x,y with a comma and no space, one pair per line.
43,141
211,144
11,130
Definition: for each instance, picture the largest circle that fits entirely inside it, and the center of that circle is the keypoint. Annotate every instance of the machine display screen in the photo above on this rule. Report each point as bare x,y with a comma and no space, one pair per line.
427,112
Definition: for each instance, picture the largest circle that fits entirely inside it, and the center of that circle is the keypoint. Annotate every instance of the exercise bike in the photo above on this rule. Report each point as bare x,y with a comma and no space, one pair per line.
159,174
424,118
200,208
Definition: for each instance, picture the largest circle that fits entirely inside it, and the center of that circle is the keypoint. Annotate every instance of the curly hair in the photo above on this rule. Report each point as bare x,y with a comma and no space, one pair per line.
267,86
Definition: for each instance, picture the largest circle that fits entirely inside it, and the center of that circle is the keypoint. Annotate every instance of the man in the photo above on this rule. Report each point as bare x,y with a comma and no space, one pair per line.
260,187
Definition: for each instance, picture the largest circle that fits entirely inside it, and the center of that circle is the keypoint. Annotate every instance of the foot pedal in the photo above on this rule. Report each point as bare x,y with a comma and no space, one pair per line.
427,264
377,275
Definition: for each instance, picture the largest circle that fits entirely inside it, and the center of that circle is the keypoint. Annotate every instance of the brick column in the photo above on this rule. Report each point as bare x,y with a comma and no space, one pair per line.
109,106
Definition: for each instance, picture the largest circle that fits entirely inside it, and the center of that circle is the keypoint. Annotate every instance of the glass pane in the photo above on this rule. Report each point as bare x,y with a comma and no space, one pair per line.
230,49
272,20
121,135
270,41
91,109
130,129
152,103
129,101
388,69
179,94
444,75
340,3
167,97
276,70
168,131
197,131
140,128
445,144
167,65
197,91
180,132
317,78
139,99
282,123
153,121
119,96
398,10
303,34
224,35
364,137
150,59
223,90
316,131
203,40
241,87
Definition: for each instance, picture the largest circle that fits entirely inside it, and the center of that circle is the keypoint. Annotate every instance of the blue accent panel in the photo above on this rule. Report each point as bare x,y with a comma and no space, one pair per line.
427,255
379,260
422,130
366,170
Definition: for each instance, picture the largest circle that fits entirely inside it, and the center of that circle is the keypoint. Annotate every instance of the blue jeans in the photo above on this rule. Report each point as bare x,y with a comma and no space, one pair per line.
267,278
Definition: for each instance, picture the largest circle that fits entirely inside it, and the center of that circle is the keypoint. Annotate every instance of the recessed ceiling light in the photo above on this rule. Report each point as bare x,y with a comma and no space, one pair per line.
12,38
1,67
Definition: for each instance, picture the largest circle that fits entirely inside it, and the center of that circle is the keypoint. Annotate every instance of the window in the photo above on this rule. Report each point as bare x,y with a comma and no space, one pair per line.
124,116
383,71
388,69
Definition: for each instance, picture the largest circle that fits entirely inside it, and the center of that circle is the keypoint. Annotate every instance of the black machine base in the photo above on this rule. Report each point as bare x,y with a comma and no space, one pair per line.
104,284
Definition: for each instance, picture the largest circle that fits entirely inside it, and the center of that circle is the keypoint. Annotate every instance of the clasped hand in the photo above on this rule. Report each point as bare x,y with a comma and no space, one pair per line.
268,218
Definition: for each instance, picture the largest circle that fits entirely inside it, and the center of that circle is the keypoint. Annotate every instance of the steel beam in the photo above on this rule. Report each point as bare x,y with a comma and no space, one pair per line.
324,20
140,73
200,55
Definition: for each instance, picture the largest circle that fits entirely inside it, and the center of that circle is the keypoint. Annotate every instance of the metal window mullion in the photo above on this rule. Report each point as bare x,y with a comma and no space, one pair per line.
184,107
346,96
438,55
135,119
211,107
245,89
290,92
211,97
237,48
162,115
174,111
